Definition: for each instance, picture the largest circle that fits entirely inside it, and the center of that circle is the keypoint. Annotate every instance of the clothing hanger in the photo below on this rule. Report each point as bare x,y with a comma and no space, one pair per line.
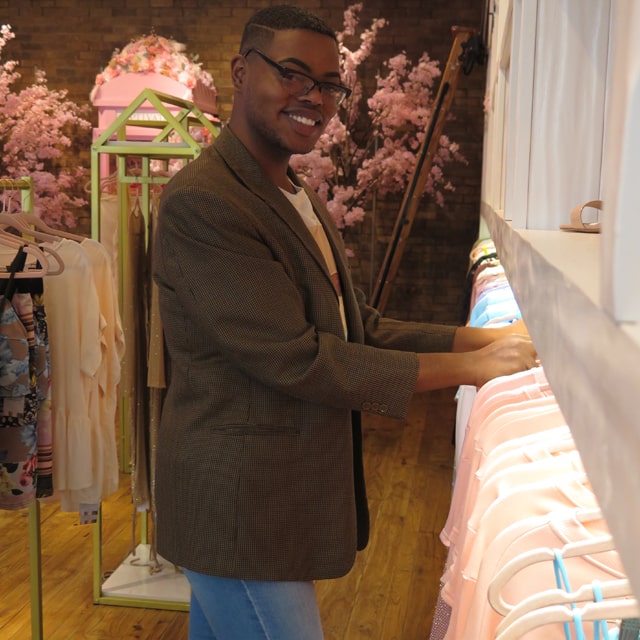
586,593
5,185
108,185
29,247
29,272
594,545
571,550
40,253
593,611
10,187
27,219
12,221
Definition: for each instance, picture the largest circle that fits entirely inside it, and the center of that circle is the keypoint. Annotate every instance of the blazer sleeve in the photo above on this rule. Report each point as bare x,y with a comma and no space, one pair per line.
420,337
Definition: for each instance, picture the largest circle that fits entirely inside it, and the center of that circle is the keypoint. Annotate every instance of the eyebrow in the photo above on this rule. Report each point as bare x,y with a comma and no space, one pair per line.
307,68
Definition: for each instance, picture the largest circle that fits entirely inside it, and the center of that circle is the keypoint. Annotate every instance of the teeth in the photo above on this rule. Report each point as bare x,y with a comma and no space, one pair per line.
303,120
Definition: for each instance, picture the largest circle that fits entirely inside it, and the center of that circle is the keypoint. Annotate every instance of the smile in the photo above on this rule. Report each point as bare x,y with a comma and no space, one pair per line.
302,120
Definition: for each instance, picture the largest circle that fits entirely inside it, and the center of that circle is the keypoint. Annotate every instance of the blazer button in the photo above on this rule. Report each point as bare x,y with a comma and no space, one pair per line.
384,408
366,406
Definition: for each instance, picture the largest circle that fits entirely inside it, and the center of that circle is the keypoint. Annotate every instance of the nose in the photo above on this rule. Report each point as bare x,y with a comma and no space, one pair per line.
313,94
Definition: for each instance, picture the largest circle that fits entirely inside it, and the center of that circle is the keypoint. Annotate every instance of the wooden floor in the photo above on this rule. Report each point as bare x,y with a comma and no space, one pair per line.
389,595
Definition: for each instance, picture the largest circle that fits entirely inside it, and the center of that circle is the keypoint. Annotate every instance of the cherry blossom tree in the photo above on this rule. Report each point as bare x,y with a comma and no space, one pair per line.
37,126
371,146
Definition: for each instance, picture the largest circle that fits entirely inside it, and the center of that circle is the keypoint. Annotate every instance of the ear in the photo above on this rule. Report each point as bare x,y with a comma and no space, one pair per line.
238,71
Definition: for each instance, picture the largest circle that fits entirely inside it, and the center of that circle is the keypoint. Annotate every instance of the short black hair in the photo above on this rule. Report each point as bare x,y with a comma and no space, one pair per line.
260,28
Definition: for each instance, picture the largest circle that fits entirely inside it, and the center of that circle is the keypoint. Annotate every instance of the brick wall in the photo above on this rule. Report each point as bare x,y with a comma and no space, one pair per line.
72,40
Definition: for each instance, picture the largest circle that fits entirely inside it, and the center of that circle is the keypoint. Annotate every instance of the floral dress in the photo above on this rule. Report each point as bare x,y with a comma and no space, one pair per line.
20,394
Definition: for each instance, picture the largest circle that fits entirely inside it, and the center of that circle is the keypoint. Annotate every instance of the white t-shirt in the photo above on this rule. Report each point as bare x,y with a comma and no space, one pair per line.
301,202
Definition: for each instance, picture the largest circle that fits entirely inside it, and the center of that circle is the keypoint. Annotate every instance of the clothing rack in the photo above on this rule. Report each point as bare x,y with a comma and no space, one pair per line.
25,186
132,584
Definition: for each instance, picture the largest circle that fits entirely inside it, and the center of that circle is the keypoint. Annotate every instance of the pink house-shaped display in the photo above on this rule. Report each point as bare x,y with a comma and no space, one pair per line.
113,97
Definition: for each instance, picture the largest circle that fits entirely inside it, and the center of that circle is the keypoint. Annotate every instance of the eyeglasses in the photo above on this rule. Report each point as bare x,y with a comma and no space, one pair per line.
300,84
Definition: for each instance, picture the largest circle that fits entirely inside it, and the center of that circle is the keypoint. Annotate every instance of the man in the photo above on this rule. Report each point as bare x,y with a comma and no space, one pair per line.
260,487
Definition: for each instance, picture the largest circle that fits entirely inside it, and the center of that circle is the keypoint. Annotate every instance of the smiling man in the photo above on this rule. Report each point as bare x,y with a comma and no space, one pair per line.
274,355
294,126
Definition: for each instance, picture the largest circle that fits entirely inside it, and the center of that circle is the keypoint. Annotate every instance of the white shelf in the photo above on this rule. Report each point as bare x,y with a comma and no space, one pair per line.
592,363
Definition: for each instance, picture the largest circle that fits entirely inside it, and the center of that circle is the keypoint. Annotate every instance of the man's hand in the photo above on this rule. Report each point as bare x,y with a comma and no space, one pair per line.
505,356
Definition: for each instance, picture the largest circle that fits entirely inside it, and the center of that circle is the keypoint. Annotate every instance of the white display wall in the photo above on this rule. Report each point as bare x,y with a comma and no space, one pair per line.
563,127
621,170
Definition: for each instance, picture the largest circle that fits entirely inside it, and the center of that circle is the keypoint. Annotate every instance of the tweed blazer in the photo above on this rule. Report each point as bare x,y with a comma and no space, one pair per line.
259,464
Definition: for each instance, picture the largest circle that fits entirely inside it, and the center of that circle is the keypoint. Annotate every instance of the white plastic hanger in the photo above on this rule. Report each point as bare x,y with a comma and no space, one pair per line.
41,254
27,219
605,610
599,544
19,224
586,593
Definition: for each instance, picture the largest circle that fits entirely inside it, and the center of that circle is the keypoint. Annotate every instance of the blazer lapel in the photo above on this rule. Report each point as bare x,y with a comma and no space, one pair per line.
252,176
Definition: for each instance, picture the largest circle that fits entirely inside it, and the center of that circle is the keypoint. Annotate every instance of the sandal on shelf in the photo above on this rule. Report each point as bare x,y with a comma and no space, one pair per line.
577,224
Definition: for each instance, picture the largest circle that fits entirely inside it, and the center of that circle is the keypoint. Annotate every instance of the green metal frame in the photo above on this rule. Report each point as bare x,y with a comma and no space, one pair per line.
35,570
172,126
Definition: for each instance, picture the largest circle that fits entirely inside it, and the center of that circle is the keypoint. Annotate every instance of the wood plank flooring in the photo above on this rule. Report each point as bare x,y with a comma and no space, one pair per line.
389,595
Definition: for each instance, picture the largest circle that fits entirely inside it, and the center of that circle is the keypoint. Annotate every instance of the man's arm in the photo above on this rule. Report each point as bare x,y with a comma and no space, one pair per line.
478,355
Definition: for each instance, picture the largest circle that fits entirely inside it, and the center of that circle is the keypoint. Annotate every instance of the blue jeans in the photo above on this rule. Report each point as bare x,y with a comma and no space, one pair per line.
227,609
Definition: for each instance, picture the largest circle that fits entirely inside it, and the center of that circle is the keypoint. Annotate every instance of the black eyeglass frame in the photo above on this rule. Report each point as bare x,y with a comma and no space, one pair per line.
339,92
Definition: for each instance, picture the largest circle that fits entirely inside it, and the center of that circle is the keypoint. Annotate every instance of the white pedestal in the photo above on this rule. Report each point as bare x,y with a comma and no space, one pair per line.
133,579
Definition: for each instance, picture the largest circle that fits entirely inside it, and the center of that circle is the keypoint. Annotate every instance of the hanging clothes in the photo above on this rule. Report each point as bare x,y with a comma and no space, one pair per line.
106,472
134,375
519,486
20,395
44,487
143,374
84,334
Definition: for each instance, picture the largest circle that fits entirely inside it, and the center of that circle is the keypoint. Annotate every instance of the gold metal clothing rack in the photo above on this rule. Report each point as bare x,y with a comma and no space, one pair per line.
170,139
25,186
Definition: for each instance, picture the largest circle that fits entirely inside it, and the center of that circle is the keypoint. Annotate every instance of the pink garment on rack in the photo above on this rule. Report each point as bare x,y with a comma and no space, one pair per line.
530,417
496,397
520,491
538,417
552,530
106,471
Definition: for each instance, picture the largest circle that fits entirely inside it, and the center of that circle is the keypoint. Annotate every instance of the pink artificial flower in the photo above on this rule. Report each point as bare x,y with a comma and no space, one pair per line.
35,124
353,161
155,54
